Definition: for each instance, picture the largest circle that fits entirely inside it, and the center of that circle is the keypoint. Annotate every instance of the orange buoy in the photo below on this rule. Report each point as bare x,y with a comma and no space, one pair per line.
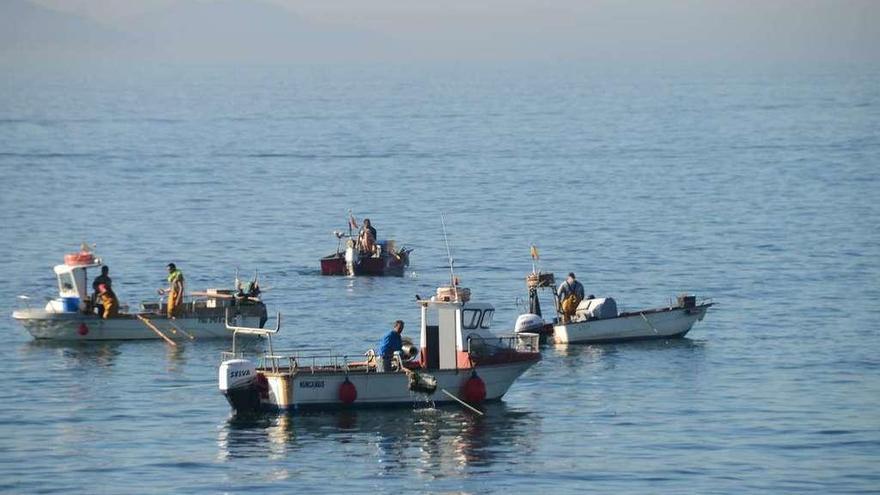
83,329
347,392
474,389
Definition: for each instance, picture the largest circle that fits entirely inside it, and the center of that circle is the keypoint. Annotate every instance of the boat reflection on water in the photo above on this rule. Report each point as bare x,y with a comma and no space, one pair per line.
599,351
431,441
79,355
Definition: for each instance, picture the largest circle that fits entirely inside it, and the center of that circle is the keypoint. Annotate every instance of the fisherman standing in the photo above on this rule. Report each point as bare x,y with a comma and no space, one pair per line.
569,295
391,343
175,290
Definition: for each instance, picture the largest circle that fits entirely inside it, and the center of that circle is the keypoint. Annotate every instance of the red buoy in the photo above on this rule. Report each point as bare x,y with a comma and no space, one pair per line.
347,392
83,329
474,389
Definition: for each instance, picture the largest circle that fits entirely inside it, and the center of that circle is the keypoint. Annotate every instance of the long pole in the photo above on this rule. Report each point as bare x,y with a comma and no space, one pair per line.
465,404
449,255
158,332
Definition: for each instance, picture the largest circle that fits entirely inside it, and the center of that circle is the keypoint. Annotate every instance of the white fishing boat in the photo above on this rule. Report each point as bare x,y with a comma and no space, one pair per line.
597,320
458,359
71,316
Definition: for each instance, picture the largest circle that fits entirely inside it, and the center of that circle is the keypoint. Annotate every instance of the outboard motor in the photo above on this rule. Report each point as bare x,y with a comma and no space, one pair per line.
240,384
596,309
529,322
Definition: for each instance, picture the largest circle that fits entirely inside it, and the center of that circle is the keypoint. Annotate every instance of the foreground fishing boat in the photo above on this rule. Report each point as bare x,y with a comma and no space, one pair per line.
597,320
71,316
458,359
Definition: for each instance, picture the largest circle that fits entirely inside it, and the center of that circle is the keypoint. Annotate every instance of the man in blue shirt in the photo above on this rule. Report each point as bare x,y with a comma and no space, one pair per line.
390,344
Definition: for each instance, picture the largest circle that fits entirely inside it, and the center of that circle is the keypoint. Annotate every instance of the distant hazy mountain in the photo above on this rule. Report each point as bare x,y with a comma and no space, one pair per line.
228,28
27,28
209,30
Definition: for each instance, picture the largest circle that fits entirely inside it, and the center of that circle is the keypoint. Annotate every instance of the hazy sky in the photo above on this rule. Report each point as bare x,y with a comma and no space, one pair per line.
700,29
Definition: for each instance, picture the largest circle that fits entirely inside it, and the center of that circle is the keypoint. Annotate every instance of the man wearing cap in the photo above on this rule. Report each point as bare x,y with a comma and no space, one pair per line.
569,294
175,291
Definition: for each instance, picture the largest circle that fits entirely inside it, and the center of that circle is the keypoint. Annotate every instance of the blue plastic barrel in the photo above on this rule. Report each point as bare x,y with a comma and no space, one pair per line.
71,304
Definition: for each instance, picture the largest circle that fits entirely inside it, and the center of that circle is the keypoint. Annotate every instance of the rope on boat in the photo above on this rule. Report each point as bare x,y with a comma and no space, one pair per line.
158,332
648,322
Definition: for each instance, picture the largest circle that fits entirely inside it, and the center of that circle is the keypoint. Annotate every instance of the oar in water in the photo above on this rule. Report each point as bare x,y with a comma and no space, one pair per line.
465,404
158,332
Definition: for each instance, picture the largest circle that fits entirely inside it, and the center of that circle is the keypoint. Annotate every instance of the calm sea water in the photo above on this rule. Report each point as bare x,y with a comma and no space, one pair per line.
758,190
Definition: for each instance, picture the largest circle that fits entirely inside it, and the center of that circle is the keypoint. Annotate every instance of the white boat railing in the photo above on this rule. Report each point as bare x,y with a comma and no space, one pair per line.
316,360
309,360
267,332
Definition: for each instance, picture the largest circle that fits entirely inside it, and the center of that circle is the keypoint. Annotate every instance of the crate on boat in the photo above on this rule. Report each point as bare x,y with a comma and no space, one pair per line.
687,301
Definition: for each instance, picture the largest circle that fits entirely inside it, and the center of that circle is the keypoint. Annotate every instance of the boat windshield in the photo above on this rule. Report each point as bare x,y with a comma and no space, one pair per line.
65,282
486,322
470,318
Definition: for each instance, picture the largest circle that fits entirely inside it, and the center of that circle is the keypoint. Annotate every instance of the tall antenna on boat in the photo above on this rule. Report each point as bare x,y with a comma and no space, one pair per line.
449,255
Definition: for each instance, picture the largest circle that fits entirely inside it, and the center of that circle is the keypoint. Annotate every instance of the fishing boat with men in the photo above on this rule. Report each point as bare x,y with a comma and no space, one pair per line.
74,314
458,359
597,319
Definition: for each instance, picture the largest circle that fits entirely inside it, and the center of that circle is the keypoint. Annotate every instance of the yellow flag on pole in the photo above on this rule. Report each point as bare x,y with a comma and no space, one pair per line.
534,252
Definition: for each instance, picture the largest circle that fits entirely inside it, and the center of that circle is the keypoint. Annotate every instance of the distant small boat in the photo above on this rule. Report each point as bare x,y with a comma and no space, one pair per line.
459,359
597,320
389,261
71,317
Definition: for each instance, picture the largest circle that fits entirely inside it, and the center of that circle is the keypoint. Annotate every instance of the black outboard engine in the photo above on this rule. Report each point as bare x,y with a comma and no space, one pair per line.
687,301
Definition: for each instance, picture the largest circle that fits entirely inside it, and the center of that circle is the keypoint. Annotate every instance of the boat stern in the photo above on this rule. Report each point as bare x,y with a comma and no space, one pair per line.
239,382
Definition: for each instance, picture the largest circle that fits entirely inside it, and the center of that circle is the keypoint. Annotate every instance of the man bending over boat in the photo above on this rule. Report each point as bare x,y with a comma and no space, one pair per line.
175,291
102,279
391,343
569,294
108,300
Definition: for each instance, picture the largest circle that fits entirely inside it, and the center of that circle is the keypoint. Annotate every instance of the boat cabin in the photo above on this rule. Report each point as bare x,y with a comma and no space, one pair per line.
73,288
454,330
